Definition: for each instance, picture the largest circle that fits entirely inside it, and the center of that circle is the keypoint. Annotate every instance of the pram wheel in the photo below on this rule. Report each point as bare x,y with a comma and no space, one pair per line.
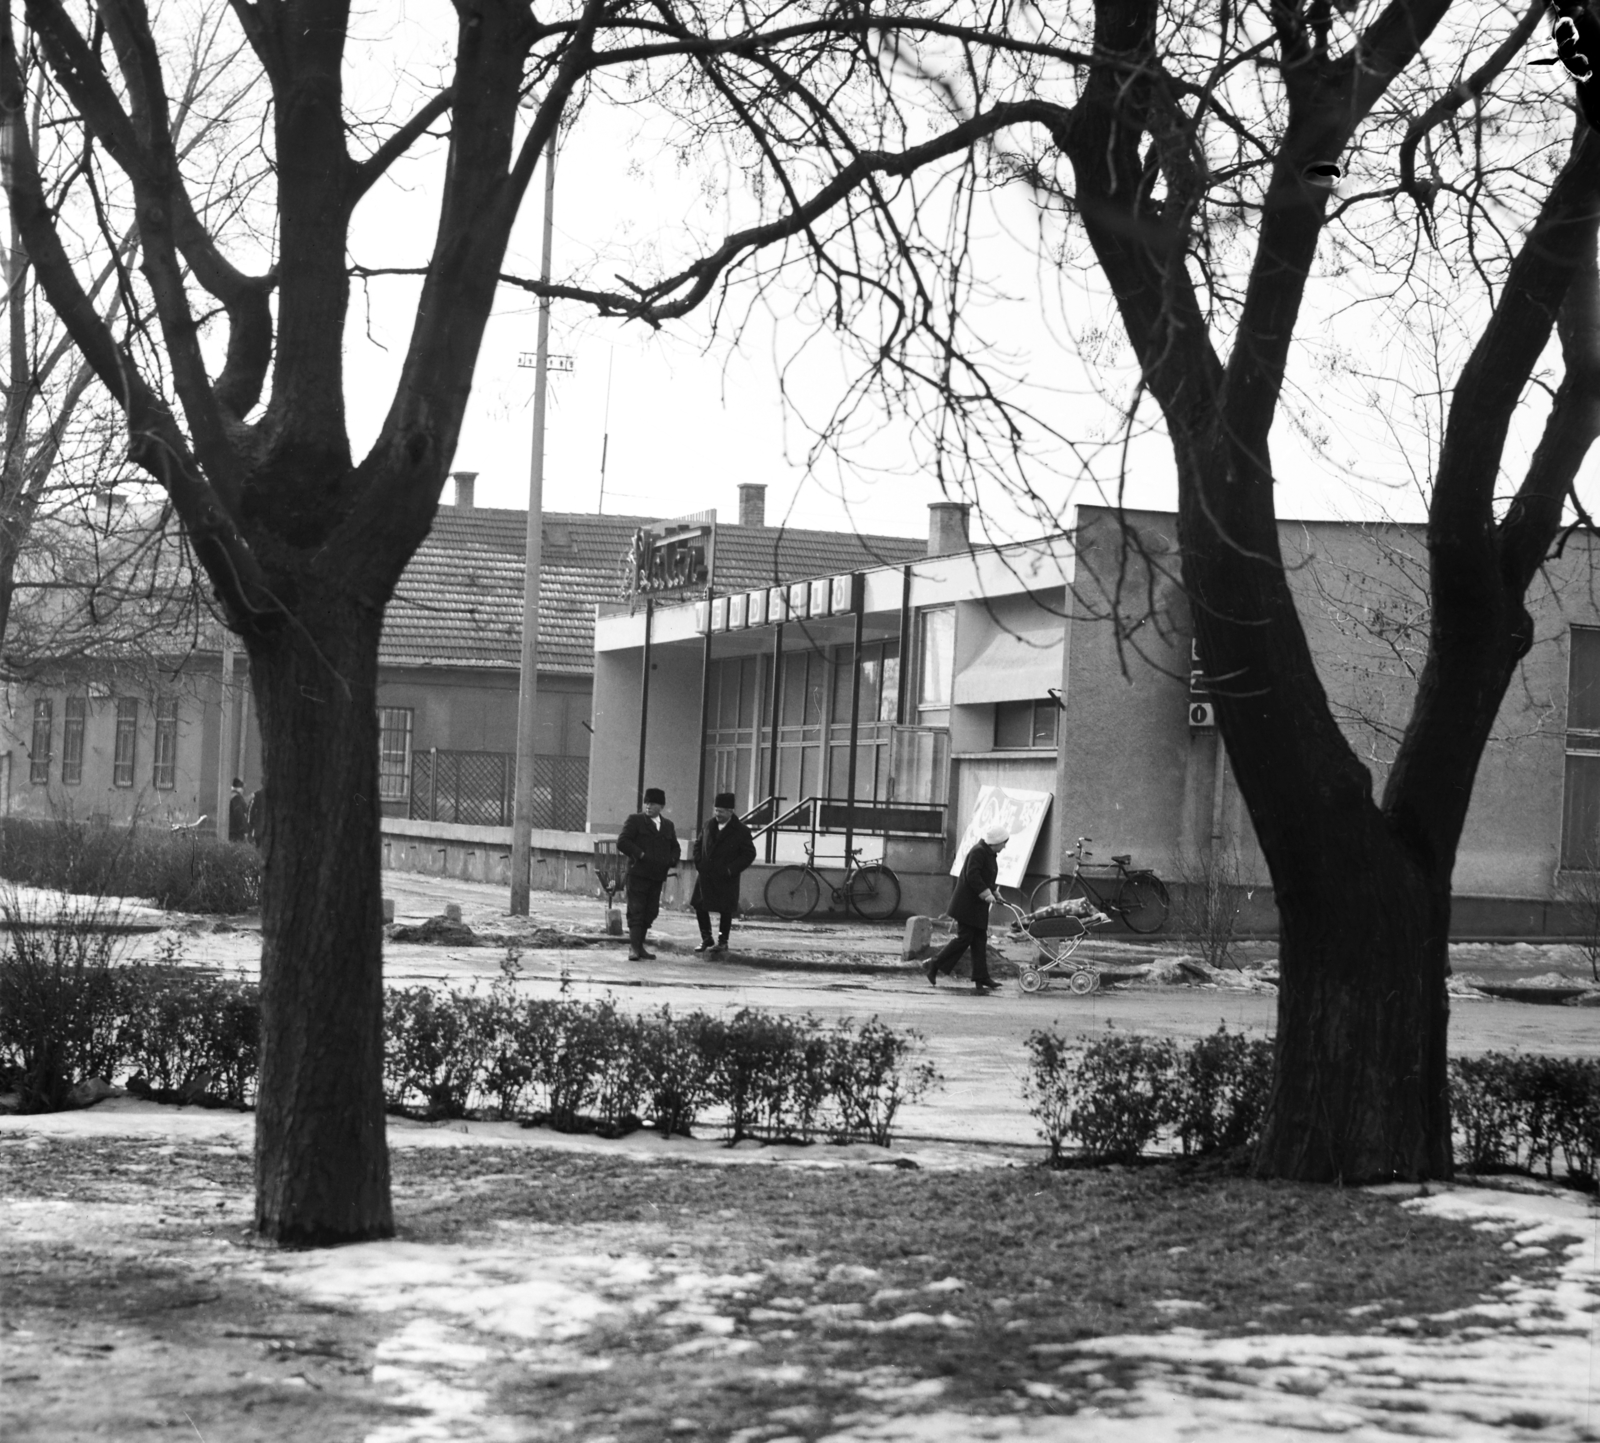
1084,981
1030,979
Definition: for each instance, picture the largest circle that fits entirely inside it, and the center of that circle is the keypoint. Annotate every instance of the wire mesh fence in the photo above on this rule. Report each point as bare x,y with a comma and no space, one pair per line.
478,788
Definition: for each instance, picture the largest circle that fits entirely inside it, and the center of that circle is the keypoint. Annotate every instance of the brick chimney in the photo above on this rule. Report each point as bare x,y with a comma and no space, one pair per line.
752,504
947,527
465,482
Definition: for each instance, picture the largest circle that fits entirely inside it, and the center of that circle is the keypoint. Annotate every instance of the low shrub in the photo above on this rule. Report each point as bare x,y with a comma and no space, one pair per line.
1517,1111
1115,1094
62,1001
871,1075
180,871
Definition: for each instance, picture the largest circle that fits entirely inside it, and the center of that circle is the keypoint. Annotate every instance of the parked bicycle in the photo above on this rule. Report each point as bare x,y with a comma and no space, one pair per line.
1137,896
872,891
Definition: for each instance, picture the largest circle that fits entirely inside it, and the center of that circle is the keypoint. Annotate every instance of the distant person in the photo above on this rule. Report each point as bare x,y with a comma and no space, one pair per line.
722,851
969,906
238,812
650,843
257,817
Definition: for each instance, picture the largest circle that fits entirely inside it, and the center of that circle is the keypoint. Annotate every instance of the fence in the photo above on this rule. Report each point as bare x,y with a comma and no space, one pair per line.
477,788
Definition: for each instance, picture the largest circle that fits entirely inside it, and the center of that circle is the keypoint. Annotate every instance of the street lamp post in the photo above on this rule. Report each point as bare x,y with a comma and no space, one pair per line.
528,688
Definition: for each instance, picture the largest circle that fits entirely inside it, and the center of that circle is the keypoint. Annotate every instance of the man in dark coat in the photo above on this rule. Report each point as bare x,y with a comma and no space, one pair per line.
722,851
974,894
238,813
650,843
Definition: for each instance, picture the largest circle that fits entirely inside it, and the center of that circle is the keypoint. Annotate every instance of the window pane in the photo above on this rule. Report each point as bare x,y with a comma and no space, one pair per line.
936,657
39,752
725,694
127,741
842,686
72,741
1013,724
891,686
1046,715
750,673
394,753
1580,825
794,687
164,771
1583,691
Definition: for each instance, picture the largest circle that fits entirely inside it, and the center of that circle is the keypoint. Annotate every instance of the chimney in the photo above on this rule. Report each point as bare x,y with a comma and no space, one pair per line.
947,527
465,481
752,504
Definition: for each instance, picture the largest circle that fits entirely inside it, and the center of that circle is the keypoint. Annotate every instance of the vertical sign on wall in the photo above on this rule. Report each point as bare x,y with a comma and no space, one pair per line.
1201,716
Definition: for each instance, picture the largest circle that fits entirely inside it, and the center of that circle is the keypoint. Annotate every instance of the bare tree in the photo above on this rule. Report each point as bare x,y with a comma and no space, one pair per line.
1187,152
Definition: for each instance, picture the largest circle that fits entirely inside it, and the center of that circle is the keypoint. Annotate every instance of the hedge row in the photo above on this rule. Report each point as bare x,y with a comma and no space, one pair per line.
68,1013
1118,1094
178,871
1115,1094
577,1065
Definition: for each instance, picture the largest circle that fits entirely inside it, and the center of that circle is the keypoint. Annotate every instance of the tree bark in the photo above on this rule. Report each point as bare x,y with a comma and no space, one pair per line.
322,1166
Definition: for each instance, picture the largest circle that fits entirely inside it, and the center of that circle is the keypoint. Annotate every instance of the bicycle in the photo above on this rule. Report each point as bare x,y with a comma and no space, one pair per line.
872,891
1136,896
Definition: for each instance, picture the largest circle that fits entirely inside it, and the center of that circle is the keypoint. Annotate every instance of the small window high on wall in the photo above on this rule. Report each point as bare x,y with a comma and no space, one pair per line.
1022,725
394,753
936,655
1580,821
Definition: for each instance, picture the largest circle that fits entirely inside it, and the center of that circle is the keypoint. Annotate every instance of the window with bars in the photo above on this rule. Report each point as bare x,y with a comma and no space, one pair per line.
1580,820
1020,725
125,754
72,740
39,753
394,753
164,766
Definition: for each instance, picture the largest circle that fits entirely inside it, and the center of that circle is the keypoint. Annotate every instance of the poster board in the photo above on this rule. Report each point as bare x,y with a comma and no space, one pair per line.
1021,813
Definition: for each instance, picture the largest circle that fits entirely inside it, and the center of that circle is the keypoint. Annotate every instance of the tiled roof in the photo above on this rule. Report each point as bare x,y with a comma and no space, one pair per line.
459,602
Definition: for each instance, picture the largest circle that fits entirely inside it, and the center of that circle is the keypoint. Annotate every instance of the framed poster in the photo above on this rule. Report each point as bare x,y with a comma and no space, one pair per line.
1021,813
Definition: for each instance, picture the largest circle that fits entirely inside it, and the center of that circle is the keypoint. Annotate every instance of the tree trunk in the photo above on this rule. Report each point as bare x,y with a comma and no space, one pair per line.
1360,1092
322,1165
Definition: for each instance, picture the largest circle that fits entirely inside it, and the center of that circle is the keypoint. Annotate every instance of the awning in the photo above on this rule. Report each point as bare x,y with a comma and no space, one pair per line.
1020,660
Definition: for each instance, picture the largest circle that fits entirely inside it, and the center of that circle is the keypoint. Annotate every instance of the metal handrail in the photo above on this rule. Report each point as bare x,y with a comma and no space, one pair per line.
815,806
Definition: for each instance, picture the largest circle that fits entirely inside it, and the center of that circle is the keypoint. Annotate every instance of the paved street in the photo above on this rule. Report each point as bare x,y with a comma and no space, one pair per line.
836,968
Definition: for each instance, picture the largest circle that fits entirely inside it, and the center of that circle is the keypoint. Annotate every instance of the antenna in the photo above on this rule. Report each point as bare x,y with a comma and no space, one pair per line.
605,429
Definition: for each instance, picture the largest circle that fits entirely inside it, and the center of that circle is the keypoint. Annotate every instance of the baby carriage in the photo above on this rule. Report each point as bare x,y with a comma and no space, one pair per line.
1056,933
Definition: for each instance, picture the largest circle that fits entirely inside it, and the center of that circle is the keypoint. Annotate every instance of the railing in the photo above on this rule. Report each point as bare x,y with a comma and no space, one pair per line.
865,817
762,815
478,788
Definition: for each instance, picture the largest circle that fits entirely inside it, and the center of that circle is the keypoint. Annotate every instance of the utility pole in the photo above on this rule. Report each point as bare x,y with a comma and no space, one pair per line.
528,690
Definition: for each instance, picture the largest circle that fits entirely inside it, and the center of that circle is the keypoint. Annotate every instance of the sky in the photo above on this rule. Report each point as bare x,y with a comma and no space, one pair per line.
682,417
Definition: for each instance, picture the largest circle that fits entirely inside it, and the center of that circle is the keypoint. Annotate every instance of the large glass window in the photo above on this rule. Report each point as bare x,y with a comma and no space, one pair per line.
39,753
1580,821
394,753
127,743
936,645
164,767
1025,724
72,740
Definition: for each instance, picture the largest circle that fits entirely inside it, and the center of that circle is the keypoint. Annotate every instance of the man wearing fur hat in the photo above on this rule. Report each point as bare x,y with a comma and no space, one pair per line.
722,851
650,843
969,906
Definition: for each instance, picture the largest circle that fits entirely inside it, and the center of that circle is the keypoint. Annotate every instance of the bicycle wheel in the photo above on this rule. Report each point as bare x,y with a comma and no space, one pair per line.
874,892
1143,902
1058,889
793,893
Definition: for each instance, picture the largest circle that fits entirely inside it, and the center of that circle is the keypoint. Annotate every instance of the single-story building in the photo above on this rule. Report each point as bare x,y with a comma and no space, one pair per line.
1060,674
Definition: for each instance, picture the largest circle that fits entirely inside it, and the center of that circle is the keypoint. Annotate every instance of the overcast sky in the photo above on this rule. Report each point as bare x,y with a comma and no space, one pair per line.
689,417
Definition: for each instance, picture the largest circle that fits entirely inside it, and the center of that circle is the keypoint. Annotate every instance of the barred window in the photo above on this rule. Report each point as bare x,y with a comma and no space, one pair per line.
125,755
39,755
394,753
164,771
72,740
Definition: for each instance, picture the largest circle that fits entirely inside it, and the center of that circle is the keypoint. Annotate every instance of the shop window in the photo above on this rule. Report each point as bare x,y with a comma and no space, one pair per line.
1580,821
126,750
164,764
39,753
72,740
394,753
1021,725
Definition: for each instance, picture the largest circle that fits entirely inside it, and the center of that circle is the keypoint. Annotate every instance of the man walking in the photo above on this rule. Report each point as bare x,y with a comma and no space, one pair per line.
974,894
722,851
650,843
